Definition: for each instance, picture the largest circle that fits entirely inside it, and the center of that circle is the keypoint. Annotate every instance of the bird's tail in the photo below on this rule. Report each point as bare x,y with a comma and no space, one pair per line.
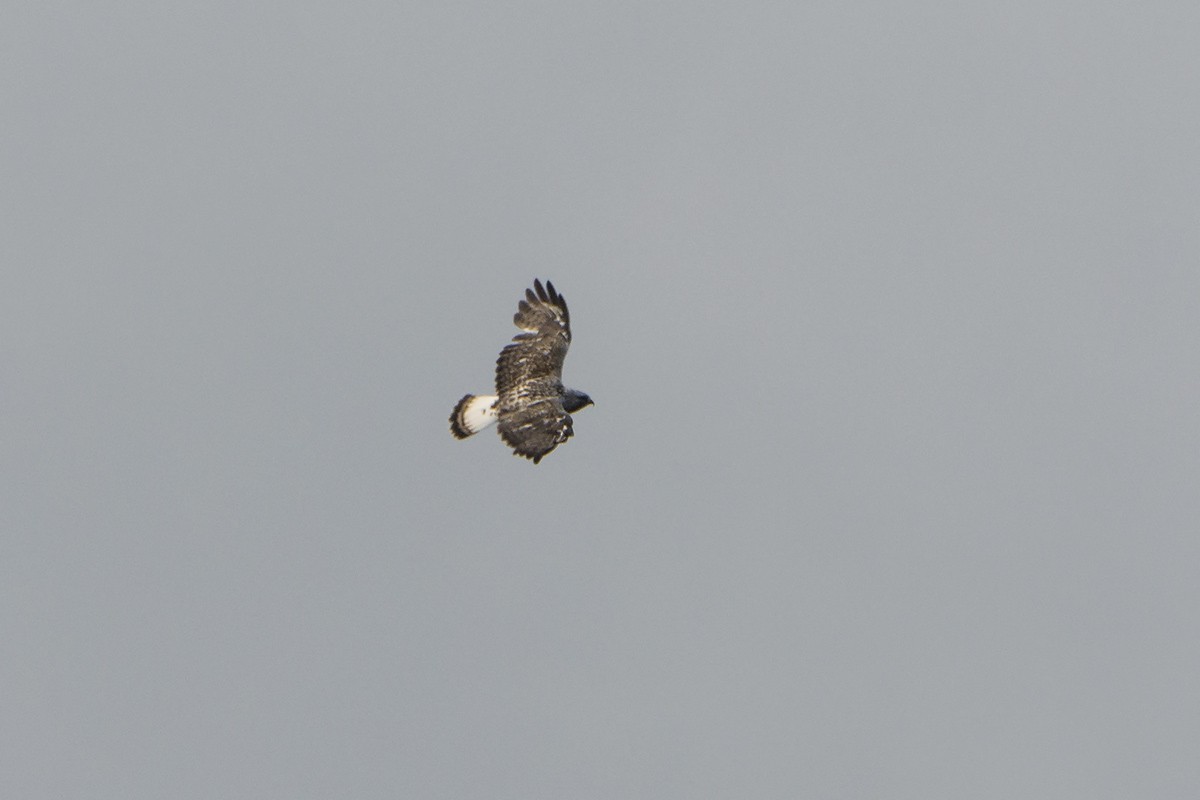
472,414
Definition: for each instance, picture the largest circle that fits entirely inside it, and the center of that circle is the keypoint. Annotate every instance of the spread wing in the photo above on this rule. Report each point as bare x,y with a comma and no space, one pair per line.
530,413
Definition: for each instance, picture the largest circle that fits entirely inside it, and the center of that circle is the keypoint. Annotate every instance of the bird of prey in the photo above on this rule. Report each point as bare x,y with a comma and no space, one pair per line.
531,408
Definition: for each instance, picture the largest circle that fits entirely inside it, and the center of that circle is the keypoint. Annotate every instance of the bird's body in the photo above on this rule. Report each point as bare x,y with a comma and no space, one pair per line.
531,408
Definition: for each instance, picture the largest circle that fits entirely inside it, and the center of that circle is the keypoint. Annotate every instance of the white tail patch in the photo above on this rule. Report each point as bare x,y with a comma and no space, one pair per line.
472,414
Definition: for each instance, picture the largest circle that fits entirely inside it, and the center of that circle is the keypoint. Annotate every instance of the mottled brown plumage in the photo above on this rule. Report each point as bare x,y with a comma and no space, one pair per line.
532,409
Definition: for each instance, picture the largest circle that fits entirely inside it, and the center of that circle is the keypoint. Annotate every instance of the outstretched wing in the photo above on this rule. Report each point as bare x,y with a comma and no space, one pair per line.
530,413
535,428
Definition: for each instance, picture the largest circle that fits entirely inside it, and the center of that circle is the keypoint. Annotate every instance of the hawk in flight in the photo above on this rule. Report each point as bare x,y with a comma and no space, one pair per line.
531,408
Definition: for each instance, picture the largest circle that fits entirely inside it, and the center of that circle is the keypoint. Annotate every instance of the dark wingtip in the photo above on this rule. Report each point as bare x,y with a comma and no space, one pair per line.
534,457
553,297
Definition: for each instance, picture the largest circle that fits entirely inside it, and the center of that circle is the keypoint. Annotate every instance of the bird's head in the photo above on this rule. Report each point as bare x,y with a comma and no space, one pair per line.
573,401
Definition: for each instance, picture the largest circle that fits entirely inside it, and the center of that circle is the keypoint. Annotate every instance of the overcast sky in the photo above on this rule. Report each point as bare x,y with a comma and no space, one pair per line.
891,314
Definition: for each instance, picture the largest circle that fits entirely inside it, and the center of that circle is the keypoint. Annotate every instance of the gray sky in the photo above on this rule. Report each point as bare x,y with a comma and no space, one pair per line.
890,313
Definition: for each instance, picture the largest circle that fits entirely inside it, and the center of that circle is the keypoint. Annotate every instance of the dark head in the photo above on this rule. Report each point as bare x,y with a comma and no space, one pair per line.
573,401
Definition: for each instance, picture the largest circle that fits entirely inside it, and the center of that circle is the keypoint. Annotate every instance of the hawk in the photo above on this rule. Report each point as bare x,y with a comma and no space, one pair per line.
531,408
